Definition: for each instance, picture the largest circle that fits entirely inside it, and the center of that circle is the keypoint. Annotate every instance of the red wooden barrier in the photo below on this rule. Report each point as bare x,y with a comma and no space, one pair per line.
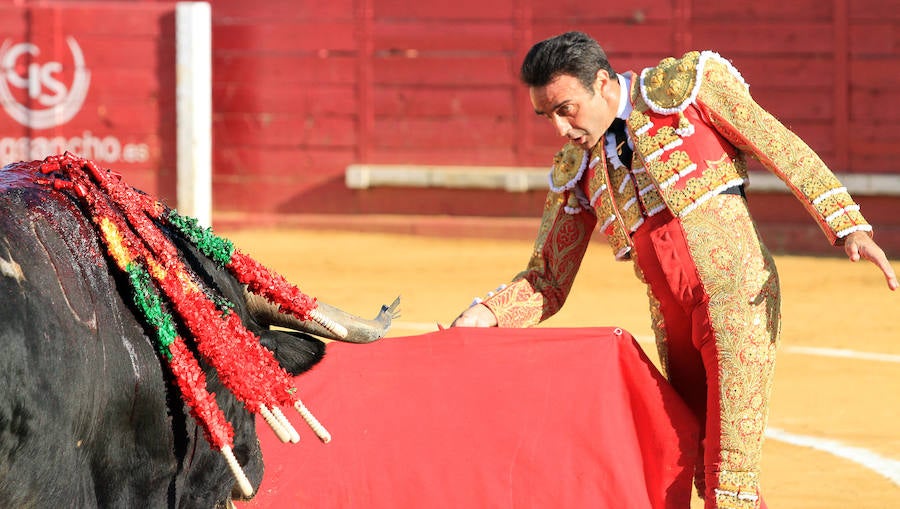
302,88
394,81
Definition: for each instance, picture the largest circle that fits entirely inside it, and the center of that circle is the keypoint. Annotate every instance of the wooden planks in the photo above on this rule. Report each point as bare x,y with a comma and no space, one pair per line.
303,88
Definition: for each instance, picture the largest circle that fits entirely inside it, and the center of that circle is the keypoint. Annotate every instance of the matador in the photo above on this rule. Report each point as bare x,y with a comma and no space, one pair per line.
669,193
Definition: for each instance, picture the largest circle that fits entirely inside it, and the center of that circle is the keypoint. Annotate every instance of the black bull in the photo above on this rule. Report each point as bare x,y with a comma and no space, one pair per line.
89,417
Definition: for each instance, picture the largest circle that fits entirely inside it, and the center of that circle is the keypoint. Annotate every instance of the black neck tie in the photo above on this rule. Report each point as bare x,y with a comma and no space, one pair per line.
618,129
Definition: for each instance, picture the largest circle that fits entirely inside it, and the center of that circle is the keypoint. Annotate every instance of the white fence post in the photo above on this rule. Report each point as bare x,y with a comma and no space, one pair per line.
193,97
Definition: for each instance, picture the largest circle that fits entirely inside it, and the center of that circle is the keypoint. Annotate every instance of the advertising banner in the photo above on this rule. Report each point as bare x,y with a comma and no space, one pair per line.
95,79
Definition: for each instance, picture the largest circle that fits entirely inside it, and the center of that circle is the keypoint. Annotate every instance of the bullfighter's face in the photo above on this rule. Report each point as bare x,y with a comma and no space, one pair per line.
578,113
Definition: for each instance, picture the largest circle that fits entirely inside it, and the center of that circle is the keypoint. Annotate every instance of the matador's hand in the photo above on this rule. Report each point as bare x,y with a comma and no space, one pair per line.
476,316
860,245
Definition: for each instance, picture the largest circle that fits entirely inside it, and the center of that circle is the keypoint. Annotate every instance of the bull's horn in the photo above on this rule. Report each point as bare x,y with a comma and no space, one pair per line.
359,330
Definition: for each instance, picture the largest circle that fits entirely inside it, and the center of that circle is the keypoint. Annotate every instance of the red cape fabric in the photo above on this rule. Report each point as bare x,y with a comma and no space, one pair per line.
486,418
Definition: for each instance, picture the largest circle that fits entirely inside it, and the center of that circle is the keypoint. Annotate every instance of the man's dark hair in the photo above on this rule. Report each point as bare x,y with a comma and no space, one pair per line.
574,53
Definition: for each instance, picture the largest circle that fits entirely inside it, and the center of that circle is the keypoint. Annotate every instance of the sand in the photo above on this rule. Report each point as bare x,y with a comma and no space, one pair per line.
837,386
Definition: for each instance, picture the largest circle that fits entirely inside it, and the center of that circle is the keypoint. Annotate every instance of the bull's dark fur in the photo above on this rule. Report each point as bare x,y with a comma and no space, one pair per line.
89,416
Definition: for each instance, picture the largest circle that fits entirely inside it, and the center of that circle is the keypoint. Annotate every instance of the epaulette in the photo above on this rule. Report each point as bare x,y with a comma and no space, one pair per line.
568,168
674,84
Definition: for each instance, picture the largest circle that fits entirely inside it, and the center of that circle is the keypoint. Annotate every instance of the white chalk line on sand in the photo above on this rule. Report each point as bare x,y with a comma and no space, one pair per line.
886,467
881,465
842,353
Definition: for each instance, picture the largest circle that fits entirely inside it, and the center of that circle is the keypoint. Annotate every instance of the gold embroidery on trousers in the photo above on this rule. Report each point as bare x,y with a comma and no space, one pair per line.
739,276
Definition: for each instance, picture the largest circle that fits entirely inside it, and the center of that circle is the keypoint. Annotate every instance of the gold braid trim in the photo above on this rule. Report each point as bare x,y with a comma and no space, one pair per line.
738,490
518,305
752,129
651,147
540,290
552,204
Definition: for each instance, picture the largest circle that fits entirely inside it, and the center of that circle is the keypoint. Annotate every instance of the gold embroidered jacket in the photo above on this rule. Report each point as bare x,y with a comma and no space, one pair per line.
693,122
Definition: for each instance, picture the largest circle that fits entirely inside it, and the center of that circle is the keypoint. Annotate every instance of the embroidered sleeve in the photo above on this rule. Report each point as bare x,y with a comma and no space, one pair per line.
724,96
540,290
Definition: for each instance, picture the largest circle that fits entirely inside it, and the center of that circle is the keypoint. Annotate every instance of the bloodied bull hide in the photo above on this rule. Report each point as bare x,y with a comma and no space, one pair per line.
137,347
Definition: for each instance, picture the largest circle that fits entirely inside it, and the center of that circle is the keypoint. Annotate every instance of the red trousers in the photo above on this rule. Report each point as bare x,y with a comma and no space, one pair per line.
715,305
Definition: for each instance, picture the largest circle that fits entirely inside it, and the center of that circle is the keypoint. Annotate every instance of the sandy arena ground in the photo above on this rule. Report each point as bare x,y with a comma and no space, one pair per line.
834,437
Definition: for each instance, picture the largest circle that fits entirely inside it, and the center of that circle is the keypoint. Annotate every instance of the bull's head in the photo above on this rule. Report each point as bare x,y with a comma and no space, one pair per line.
297,344
197,313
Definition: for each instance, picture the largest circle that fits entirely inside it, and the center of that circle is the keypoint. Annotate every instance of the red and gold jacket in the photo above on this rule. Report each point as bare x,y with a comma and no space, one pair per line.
693,123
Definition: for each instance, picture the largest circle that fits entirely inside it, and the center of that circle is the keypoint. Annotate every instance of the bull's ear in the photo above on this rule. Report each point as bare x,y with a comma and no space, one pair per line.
296,352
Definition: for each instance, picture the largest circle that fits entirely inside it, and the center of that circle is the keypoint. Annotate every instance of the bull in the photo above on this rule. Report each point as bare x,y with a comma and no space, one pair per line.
89,415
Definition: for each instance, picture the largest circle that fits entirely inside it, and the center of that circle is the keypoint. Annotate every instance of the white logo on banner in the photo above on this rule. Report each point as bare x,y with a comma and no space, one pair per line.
61,103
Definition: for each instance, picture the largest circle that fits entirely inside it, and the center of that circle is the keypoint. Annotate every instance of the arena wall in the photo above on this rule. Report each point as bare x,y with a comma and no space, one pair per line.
305,90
